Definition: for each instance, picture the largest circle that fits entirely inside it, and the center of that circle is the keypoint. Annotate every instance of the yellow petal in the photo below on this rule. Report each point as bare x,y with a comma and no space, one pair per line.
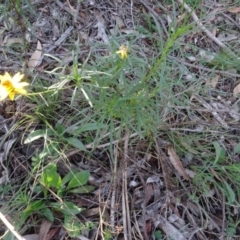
3,93
20,91
21,85
17,78
11,95
123,51
5,77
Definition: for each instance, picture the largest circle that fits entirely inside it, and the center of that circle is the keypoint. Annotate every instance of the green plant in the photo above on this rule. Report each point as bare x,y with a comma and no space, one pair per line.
58,134
51,184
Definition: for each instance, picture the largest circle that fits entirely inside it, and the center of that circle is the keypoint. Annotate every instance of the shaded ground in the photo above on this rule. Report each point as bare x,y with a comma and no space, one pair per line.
176,176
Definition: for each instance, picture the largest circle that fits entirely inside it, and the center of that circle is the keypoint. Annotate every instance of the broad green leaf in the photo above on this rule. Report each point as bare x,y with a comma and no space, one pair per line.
79,179
76,143
237,149
47,213
220,153
38,134
83,189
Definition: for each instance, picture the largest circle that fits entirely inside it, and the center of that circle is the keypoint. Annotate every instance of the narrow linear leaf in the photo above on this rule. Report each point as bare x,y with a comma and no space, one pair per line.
220,153
237,149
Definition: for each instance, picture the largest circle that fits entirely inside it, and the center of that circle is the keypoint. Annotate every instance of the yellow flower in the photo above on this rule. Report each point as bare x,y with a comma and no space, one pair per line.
9,86
123,52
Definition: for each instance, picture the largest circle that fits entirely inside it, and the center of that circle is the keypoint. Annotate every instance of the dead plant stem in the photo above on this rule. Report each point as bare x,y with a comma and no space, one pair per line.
204,29
10,227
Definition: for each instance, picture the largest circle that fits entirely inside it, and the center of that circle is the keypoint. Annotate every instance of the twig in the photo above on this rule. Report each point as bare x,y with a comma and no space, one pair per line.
69,11
143,2
143,205
77,11
125,204
16,68
225,15
135,219
214,113
112,213
226,73
57,43
91,145
10,227
204,29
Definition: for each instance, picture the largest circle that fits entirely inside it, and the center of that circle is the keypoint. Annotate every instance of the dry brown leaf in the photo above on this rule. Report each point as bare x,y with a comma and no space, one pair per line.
148,193
35,58
236,90
169,229
45,226
6,148
176,162
101,28
213,81
71,7
215,174
9,41
52,232
234,10
190,173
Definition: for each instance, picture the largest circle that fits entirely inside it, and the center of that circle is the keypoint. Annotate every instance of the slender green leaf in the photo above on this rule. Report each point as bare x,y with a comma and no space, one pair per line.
220,153
231,197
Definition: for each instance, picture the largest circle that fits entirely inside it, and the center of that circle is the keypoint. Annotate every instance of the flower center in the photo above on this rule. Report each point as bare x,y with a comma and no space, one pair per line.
8,85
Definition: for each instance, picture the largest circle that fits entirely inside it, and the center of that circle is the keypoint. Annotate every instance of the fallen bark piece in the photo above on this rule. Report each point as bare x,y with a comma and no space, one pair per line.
177,164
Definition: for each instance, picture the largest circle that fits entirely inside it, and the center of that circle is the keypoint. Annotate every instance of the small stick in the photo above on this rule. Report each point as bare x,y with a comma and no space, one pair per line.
125,202
57,43
10,227
204,29
212,110
225,73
